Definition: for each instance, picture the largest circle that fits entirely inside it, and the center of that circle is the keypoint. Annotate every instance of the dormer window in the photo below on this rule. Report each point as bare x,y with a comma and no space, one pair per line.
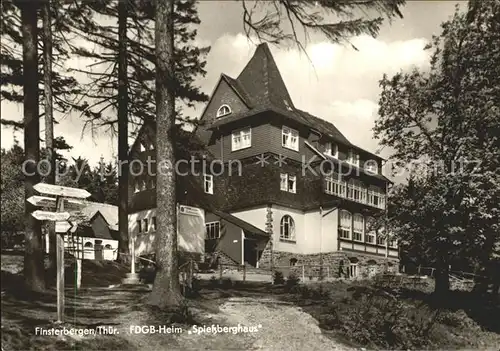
224,110
143,148
331,149
353,158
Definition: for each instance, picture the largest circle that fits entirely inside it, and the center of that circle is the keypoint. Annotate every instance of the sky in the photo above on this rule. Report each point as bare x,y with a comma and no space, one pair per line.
336,82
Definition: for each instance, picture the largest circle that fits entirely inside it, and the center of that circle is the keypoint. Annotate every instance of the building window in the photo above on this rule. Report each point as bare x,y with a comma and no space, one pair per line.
212,230
353,270
284,182
139,226
370,230
380,240
142,146
356,191
376,197
241,139
209,183
335,185
331,149
287,228
224,110
136,186
381,237
154,223
290,138
88,244
353,158
288,183
146,225
152,183
358,227
345,224
371,166
393,243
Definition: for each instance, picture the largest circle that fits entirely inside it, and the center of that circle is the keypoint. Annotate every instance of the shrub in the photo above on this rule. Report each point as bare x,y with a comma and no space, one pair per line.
378,318
330,319
227,283
319,293
213,282
292,281
182,315
278,278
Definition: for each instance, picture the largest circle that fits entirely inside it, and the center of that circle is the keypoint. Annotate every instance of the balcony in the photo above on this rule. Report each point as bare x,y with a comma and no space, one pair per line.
354,190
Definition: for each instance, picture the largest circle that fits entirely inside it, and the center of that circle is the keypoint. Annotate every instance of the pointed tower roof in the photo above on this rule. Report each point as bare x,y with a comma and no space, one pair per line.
262,80
261,88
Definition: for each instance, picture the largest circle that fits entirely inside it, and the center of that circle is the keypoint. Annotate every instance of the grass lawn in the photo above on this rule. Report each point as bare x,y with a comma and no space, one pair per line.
376,314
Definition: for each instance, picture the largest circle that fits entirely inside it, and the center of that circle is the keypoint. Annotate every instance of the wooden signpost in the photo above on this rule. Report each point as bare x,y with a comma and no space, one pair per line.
50,202
65,227
63,195
50,216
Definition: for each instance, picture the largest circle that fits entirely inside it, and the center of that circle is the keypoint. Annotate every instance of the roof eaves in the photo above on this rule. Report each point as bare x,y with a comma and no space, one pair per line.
240,223
315,149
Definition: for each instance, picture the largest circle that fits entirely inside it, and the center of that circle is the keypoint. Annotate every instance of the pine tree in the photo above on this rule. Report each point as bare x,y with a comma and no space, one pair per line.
49,121
123,128
166,288
34,253
65,87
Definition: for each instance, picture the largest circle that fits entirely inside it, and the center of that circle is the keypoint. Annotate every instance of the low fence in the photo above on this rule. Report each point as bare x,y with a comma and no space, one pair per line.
303,272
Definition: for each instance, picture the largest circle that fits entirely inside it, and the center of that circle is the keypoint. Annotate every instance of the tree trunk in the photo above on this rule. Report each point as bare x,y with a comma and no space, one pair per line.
49,125
33,256
123,132
166,288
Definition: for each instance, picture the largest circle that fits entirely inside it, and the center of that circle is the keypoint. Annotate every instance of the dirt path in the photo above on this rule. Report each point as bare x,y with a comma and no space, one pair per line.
272,325
252,323
283,326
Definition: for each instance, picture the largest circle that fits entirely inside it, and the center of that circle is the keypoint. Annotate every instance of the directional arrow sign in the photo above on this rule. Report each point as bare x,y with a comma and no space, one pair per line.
50,216
44,201
65,226
58,190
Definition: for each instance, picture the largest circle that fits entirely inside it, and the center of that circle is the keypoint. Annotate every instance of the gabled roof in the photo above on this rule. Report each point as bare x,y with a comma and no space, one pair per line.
262,88
109,212
239,223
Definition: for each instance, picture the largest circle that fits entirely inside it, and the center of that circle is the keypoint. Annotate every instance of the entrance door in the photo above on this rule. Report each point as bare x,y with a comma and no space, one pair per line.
250,252
98,249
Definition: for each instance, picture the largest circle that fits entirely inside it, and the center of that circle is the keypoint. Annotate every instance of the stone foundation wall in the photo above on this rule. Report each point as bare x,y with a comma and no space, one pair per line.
334,264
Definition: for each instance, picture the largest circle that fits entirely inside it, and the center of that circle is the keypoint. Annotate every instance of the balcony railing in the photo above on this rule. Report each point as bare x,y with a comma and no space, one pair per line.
354,191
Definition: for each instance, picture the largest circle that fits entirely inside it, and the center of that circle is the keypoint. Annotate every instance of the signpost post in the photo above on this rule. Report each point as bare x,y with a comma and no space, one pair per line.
63,195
